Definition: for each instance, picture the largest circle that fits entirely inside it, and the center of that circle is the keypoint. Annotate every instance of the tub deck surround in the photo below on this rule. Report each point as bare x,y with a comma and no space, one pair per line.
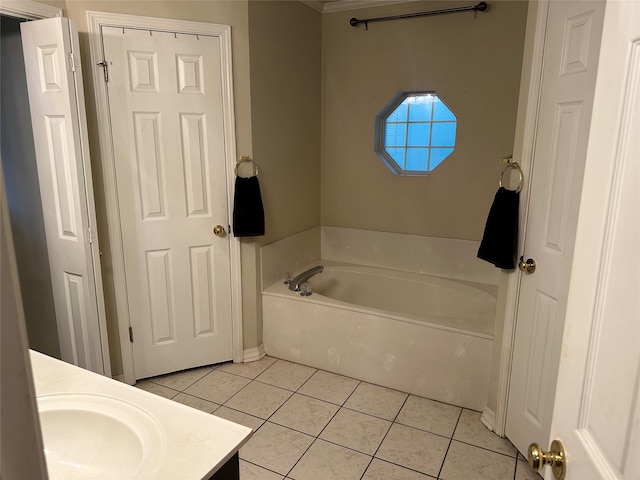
437,346
442,257
195,445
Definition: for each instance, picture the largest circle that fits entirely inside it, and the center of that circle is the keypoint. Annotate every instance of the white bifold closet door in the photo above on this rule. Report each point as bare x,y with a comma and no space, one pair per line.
56,98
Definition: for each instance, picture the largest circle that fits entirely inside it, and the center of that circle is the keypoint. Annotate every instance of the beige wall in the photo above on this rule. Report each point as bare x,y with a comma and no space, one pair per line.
285,49
285,53
472,64
54,3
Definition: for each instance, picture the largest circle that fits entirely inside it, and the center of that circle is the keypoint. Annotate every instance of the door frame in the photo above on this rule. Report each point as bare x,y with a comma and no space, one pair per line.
28,10
523,151
95,21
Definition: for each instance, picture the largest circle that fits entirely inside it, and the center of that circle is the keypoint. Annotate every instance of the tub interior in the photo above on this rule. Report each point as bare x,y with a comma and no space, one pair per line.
455,305
410,294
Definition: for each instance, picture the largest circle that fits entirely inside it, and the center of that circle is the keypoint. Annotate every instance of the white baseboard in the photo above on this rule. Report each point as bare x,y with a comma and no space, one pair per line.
488,418
254,354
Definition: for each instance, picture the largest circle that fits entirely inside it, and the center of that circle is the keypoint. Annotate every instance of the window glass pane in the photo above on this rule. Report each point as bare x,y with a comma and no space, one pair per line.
417,159
415,135
420,108
400,113
418,134
437,155
397,155
441,112
395,135
443,135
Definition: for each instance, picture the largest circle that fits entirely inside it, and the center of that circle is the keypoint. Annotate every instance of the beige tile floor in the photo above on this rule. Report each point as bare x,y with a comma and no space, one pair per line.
314,425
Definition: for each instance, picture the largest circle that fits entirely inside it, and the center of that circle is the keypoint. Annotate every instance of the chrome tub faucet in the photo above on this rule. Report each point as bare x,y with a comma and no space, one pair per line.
294,285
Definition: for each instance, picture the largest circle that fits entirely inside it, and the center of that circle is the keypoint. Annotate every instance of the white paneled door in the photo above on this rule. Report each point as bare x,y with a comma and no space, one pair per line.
597,405
572,46
575,376
166,109
56,98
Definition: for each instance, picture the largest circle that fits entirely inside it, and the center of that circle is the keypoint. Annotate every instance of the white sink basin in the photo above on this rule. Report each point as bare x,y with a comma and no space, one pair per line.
92,436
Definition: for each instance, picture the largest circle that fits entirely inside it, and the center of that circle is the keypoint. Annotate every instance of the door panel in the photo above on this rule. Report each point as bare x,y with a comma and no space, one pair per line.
165,97
544,319
54,82
571,51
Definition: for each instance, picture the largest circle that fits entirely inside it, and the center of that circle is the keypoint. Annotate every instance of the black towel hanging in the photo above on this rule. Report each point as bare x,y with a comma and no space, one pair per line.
248,211
500,240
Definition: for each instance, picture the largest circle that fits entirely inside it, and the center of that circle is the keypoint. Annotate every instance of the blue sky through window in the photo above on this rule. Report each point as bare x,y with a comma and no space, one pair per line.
418,134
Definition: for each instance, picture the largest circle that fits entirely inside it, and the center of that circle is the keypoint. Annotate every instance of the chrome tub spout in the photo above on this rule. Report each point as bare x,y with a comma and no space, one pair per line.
303,277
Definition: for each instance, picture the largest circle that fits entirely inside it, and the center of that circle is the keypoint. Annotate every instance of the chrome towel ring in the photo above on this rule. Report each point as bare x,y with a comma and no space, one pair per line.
513,165
247,158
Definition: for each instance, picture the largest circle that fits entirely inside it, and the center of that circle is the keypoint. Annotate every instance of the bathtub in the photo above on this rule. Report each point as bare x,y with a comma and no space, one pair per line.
420,334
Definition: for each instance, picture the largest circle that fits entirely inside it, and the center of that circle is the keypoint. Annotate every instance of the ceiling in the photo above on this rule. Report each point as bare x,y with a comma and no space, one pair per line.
327,6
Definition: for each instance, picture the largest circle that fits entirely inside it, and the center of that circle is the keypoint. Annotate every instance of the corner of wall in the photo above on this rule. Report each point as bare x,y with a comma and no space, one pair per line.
289,254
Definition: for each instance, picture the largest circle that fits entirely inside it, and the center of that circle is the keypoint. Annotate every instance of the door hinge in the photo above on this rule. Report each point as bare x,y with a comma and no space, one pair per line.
105,69
89,236
72,62
131,334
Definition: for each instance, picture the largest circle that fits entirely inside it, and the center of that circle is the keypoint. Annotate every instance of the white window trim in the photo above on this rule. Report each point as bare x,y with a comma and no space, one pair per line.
379,136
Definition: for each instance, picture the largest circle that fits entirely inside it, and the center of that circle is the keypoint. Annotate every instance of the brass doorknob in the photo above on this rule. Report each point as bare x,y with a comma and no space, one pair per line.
219,231
555,457
528,266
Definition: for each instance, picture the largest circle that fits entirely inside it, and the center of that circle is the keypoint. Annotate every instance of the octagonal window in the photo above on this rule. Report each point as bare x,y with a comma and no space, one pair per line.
415,133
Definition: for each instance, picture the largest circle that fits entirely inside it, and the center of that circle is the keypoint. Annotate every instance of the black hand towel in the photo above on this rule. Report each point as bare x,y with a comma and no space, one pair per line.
248,213
499,242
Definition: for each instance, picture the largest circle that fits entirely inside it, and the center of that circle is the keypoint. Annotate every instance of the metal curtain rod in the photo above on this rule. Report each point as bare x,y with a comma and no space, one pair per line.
480,7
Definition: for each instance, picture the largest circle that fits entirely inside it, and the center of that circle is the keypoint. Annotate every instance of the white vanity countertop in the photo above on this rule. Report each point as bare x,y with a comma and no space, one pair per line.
197,444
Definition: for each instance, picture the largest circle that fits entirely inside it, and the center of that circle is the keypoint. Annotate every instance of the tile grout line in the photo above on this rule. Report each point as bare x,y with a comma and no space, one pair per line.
485,448
260,466
449,446
159,385
206,399
251,380
317,437
307,380
301,456
384,437
223,403
188,386
293,392
244,376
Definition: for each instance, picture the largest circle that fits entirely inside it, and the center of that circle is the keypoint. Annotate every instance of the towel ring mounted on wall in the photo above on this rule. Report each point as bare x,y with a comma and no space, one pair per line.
510,166
247,158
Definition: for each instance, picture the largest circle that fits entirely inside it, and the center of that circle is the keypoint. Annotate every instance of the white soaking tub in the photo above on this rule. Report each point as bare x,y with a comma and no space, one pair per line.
425,335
